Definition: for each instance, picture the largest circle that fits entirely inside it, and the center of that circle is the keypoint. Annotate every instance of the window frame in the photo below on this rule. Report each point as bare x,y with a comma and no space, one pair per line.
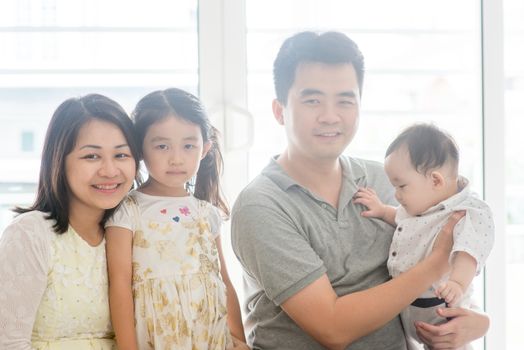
223,83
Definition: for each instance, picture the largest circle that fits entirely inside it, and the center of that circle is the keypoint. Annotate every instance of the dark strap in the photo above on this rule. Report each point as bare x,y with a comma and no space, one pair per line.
428,302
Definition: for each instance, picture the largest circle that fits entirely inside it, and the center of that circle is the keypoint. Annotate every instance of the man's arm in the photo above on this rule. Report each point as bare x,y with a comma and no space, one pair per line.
280,258
339,321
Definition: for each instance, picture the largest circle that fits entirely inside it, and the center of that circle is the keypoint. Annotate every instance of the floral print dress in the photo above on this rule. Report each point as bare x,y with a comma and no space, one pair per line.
179,296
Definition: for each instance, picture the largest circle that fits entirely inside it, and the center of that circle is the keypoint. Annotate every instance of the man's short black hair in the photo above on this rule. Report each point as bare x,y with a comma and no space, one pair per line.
310,47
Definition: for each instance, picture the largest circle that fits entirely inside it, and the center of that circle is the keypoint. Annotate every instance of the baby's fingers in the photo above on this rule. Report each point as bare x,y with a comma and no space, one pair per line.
443,291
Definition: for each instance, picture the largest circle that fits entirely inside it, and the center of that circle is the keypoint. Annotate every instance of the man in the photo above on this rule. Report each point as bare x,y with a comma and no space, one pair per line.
315,270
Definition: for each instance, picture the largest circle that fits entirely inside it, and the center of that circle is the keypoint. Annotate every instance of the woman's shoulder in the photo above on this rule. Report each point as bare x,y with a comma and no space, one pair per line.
34,220
33,226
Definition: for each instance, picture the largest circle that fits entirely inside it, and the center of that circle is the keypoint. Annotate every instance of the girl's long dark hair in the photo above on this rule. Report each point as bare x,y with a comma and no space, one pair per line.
53,193
181,104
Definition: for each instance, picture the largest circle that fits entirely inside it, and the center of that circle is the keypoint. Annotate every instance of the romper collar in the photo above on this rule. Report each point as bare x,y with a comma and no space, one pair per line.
464,191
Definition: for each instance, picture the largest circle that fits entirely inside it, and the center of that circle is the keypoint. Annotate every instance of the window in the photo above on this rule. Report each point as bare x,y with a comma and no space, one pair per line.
55,49
28,141
440,84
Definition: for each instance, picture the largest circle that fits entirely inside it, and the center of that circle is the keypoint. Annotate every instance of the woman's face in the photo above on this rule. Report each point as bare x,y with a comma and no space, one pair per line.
100,169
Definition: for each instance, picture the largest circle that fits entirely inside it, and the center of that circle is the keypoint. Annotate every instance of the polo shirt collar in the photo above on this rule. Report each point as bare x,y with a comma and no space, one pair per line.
351,171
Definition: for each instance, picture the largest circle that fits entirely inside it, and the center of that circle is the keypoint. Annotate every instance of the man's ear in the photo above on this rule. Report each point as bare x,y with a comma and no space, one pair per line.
437,180
278,111
205,149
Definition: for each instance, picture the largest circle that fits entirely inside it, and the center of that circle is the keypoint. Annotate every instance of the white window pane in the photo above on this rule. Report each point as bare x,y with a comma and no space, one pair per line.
393,15
101,50
98,13
514,70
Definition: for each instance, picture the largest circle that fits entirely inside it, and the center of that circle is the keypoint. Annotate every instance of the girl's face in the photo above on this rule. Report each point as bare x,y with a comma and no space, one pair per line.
100,169
172,149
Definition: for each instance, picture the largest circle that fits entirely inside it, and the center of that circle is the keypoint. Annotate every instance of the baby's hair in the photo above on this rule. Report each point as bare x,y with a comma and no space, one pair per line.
429,147
181,104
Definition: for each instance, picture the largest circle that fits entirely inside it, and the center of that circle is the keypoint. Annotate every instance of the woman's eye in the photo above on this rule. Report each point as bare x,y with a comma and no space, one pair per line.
122,155
188,146
90,156
161,147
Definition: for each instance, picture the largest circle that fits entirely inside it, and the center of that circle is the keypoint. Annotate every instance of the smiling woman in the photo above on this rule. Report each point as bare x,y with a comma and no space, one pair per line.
52,256
98,171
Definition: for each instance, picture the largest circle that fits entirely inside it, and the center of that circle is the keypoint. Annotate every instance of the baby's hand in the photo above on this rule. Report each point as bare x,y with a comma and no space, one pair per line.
368,197
450,291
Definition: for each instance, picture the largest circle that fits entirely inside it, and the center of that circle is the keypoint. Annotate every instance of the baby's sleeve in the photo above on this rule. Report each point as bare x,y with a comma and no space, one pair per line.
475,234
215,221
124,216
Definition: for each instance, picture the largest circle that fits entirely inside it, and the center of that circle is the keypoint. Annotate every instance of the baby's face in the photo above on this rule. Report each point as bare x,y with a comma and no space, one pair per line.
414,191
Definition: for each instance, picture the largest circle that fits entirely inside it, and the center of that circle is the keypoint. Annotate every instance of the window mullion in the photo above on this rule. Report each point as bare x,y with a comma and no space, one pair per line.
494,178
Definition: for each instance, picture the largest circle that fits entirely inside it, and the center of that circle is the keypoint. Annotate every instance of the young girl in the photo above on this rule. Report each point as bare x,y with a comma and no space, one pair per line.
163,244
53,272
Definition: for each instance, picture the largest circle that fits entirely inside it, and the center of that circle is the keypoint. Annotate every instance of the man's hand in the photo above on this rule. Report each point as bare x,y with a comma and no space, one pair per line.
464,327
444,243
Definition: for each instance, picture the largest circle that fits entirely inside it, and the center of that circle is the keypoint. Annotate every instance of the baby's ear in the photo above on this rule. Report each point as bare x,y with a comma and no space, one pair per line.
437,180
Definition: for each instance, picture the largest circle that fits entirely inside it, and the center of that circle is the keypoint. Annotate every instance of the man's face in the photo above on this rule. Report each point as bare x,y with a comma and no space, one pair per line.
322,111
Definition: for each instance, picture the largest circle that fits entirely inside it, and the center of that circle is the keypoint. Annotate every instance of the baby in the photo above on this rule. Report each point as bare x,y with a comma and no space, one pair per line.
422,165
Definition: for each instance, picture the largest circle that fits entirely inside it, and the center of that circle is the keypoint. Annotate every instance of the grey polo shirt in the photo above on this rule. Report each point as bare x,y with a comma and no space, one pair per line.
286,238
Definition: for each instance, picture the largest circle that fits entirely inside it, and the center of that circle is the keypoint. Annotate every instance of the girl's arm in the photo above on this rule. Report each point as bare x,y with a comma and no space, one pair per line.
234,317
24,260
463,269
119,244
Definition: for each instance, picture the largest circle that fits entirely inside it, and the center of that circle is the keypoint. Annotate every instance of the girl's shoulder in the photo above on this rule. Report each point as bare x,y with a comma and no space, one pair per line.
212,215
205,206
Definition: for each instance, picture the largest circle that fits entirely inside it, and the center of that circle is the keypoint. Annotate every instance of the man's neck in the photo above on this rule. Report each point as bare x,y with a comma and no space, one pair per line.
322,177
